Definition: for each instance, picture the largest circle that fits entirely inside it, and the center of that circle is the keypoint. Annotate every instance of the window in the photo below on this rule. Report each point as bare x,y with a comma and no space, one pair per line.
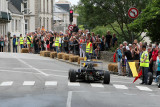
47,7
19,25
40,25
16,25
44,22
47,24
26,26
25,8
13,25
43,6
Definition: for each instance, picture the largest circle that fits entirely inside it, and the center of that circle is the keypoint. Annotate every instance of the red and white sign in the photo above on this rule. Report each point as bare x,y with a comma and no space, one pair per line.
70,27
133,13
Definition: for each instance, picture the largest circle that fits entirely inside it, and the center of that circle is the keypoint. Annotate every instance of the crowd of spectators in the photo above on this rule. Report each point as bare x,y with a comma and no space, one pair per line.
132,53
70,42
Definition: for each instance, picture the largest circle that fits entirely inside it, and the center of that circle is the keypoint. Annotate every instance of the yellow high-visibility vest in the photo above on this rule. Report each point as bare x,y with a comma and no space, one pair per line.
28,42
88,48
146,63
57,41
21,40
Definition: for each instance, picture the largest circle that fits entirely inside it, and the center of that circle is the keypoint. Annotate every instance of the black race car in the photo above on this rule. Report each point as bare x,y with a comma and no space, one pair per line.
89,73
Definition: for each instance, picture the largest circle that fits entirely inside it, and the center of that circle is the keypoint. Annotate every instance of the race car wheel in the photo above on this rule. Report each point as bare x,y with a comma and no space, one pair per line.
106,77
150,78
72,76
158,82
69,73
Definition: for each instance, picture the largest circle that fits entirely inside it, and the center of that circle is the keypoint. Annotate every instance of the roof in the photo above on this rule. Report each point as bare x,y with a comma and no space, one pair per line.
58,9
17,4
65,7
13,9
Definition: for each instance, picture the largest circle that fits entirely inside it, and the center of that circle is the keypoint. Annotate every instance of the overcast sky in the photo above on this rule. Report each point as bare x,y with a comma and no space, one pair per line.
73,2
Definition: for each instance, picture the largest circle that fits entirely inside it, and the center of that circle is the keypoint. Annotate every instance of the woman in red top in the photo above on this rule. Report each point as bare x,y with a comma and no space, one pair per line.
154,58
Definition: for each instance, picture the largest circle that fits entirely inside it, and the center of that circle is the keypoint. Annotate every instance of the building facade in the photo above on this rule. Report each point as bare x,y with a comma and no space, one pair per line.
61,16
4,17
16,25
37,13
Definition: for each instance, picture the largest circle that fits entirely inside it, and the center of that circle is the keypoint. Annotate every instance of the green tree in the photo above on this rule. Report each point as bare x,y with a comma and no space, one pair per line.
149,21
106,12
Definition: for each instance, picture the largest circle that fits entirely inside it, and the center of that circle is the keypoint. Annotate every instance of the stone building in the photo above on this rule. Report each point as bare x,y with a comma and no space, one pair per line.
37,13
61,15
5,17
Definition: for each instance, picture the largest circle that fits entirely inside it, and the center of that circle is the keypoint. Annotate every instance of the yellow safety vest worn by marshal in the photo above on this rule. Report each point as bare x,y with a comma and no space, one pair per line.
28,42
16,41
21,40
57,41
146,63
88,48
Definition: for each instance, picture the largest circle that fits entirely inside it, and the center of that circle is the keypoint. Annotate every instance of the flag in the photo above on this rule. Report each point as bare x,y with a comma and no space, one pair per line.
139,75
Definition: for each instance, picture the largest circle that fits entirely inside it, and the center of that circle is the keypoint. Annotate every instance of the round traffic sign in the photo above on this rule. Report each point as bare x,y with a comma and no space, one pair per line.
70,27
133,13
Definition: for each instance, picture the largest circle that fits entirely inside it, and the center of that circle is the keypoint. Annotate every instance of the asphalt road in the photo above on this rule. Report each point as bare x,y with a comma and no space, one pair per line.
28,80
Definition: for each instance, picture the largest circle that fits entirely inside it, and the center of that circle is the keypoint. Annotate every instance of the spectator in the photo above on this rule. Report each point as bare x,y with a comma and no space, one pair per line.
75,28
153,59
108,40
119,56
6,43
128,56
15,43
125,44
81,42
114,40
66,39
1,44
89,49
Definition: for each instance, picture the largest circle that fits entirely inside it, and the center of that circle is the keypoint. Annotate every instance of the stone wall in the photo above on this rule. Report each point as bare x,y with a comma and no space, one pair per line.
106,56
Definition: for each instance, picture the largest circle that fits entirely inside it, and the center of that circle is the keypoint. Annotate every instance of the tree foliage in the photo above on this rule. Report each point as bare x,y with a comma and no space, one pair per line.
149,21
105,12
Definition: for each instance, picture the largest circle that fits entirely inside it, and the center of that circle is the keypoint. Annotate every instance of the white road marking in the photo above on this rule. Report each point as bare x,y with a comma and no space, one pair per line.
129,94
143,88
51,83
28,83
97,85
69,99
120,86
73,84
8,83
32,67
22,68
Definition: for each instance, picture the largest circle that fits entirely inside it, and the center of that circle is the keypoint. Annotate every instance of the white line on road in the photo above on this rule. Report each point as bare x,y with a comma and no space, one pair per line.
73,84
32,67
27,83
120,86
69,99
8,83
143,88
51,83
97,85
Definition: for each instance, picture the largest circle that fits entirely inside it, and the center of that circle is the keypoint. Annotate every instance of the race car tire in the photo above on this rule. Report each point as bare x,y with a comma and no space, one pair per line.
158,82
69,73
150,78
106,77
72,76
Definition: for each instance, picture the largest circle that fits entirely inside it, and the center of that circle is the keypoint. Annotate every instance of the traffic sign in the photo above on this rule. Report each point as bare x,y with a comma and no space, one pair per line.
133,13
70,27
